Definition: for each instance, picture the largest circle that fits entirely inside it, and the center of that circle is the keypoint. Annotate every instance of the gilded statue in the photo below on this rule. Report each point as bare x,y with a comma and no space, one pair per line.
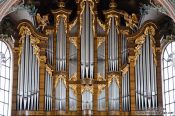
42,21
131,20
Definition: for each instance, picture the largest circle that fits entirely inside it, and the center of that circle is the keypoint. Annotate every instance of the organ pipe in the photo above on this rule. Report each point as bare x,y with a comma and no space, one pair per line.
28,78
61,46
145,77
87,49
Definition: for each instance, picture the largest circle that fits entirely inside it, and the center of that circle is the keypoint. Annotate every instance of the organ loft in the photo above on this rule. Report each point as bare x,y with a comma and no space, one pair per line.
88,57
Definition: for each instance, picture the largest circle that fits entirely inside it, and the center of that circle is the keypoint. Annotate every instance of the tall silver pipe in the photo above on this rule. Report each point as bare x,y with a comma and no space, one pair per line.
144,74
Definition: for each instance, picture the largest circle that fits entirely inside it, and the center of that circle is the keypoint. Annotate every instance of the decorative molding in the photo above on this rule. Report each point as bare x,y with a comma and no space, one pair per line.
74,41
9,40
86,88
73,77
60,77
100,40
49,70
125,69
115,77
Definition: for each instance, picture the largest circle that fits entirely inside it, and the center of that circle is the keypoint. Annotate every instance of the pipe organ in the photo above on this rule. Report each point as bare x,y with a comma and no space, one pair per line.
146,93
85,66
28,75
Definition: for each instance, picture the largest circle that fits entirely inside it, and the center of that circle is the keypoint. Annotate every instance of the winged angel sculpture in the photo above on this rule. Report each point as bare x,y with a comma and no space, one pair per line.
42,21
131,21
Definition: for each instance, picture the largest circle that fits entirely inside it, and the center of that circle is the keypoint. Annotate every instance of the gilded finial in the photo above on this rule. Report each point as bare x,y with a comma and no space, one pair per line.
61,4
113,4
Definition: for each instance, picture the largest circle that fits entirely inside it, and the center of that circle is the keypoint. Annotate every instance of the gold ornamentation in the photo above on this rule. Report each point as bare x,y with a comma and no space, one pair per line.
100,40
115,77
82,6
101,24
131,21
100,77
86,88
74,41
42,21
60,77
58,18
49,31
100,88
109,17
61,4
140,41
73,24
132,59
74,88
49,70
73,77
125,32
125,69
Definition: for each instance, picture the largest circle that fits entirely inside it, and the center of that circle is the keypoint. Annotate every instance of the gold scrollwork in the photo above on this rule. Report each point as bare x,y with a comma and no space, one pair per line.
73,77
101,24
74,41
73,24
58,18
49,70
115,77
100,40
49,31
60,77
100,88
100,77
82,6
125,69
141,39
74,88
87,88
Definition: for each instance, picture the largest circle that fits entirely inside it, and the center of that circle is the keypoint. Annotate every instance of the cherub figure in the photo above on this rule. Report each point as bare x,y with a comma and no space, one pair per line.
131,20
42,21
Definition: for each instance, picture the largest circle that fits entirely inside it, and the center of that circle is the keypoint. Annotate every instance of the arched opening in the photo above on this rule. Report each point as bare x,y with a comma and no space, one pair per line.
5,79
168,74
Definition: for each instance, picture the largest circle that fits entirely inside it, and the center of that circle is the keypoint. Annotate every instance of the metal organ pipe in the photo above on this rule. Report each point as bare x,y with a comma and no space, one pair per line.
61,46
87,49
145,69
28,77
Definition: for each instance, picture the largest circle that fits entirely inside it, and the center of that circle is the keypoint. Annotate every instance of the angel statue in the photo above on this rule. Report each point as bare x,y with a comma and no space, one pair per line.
42,21
131,20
